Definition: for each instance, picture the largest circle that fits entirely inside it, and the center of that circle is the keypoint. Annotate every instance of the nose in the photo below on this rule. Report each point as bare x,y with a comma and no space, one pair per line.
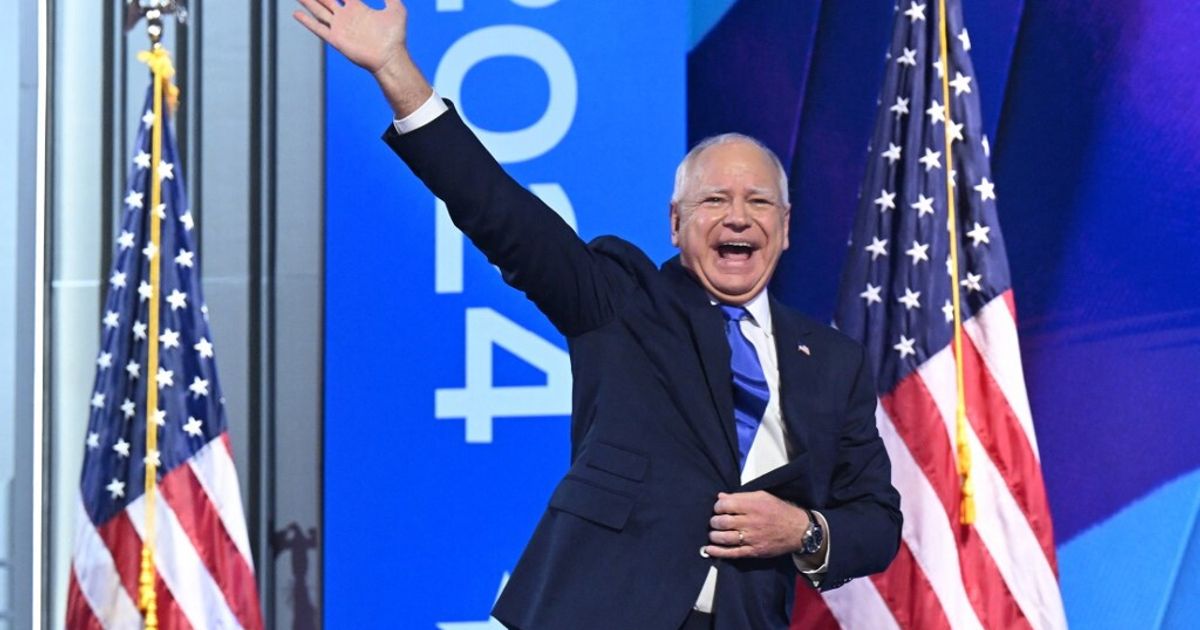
738,216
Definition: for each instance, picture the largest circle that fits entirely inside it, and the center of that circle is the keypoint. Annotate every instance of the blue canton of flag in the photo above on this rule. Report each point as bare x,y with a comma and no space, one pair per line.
191,411
203,568
895,288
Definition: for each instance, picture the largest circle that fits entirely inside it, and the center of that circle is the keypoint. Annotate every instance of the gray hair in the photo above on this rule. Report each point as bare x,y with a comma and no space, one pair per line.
683,171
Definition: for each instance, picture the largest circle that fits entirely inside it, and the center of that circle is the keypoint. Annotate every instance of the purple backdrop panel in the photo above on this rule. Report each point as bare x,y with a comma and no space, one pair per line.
1098,166
748,74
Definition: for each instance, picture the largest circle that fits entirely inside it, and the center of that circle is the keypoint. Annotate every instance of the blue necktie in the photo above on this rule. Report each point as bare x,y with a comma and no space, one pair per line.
750,391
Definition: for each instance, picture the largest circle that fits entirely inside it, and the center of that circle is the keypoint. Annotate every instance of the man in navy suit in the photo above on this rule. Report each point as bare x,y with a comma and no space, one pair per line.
722,443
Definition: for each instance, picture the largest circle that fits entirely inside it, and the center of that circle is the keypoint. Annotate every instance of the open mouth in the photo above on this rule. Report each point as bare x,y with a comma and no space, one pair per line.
736,250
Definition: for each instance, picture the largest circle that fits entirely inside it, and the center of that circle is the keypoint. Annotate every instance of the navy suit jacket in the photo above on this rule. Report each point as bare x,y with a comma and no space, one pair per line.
652,429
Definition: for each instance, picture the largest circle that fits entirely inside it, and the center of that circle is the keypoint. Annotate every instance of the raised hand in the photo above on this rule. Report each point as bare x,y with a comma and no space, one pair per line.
370,38
375,40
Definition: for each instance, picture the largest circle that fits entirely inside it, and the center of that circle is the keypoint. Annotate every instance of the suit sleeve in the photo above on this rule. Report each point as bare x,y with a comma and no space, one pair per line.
537,252
864,511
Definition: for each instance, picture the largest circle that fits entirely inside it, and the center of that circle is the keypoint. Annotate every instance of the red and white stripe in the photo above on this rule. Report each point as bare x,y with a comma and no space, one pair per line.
205,576
1000,572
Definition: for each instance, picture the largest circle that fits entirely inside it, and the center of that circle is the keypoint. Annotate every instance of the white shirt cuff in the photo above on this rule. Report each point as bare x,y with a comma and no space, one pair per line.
430,109
805,564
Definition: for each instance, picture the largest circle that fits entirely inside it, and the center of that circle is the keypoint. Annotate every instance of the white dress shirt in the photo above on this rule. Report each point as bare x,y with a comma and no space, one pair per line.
770,448
433,107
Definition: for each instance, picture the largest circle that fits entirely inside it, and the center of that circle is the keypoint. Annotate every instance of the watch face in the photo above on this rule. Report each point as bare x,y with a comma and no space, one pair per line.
813,537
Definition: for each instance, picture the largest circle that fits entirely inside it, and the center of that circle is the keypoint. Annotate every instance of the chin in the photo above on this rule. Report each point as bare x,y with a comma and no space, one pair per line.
738,291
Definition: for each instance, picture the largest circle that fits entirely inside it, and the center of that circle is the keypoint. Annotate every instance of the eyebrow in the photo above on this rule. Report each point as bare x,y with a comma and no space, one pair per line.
725,191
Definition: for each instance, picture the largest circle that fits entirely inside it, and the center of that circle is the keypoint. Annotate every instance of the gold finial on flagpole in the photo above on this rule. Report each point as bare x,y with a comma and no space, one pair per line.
153,12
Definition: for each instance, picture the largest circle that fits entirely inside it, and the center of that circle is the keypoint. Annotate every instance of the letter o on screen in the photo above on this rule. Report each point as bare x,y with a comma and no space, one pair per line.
515,41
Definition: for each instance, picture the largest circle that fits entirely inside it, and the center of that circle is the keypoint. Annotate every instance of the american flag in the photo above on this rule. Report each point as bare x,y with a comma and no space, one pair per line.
998,571
204,571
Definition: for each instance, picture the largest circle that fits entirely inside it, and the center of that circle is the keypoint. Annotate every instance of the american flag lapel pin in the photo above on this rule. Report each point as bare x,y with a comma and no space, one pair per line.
803,348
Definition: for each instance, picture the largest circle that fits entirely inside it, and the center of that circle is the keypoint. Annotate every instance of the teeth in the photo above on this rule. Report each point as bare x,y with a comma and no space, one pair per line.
737,244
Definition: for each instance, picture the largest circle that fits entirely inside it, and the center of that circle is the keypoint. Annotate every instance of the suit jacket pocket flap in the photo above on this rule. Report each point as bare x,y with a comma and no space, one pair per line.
617,461
589,501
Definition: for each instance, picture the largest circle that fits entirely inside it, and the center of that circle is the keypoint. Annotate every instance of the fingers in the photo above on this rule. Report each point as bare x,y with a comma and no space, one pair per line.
740,502
737,526
727,538
728,504
309,22
729,543
725,522
725,533
319,10
731,553
728,530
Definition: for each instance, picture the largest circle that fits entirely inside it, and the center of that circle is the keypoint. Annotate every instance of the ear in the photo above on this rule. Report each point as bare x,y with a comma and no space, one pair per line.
787,224
675,219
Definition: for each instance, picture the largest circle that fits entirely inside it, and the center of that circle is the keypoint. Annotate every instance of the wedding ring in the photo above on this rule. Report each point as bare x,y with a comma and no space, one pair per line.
741,538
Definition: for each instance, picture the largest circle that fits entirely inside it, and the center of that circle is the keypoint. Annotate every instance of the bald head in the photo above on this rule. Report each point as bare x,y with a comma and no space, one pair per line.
686,171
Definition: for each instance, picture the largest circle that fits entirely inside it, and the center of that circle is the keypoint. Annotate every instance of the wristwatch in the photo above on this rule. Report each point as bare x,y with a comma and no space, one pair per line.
814,536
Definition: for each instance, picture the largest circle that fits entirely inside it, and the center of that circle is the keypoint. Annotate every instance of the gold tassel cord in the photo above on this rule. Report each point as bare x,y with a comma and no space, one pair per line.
160,64
159,61
961,444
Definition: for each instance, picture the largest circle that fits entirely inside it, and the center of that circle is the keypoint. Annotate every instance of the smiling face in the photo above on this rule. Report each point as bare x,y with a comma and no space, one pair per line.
731,222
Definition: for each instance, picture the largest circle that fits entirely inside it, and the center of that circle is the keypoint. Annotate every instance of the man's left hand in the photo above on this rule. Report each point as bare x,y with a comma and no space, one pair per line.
755,525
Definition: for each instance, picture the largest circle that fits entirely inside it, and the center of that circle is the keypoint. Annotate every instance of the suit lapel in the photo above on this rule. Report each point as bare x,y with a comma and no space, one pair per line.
706,327
798,384
798,375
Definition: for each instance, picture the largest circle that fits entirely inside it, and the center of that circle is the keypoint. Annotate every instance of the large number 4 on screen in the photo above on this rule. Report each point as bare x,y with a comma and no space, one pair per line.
479,402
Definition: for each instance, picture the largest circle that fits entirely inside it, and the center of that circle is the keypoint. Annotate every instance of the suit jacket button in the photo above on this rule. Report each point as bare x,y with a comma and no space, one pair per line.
704,551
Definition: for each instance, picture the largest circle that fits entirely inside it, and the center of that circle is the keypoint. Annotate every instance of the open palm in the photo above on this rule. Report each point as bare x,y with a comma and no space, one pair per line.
370,38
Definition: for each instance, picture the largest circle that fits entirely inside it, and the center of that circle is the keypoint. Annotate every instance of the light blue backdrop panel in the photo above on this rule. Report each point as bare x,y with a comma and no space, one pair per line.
446,392
1148,553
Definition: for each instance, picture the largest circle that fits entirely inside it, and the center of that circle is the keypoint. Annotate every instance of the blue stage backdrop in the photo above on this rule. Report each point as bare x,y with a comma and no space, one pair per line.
1093,111
447,393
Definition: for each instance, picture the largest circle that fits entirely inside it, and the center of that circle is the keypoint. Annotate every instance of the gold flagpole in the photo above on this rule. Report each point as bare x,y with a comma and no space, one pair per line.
159,61
961,444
